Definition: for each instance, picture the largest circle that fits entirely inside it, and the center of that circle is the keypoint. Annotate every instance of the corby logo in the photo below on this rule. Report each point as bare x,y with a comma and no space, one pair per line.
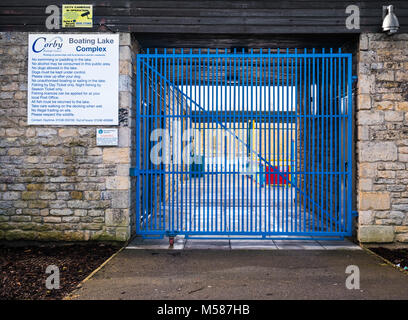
41,44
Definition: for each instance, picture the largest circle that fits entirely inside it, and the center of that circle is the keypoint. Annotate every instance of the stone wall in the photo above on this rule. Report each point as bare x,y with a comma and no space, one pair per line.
55,183
382,131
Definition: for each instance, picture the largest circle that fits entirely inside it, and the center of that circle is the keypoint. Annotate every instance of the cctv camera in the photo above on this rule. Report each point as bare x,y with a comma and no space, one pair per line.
390,21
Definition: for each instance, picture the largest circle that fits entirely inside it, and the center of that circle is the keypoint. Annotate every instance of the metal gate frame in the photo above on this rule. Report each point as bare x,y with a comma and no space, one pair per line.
158,87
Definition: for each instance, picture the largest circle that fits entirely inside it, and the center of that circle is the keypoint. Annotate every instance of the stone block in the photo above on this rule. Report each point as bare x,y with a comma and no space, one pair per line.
384,105
125,53
124,137
377,151
45,132
364,102
125,83
15,132
370,117
125,39
11,195
76,195
120,199
48,219
61,212
401,237
122,234
67,132
116,217
116,155
363,42
117,183
393,116
365,184
29,195
374,201
401,229
38,204
366,217
401,76
12,235
125,67
402,106
376,234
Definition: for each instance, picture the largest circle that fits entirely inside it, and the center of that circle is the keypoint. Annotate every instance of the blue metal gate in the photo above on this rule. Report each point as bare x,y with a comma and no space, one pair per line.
243,144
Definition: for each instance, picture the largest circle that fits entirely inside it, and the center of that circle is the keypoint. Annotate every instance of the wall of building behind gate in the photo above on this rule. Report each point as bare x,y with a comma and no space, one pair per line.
55,183
382,131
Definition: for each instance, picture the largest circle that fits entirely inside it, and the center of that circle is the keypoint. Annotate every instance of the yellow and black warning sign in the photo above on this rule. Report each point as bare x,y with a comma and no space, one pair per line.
77,16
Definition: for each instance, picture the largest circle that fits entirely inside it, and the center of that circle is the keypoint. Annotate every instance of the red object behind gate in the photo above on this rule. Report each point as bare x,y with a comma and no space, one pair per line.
275,178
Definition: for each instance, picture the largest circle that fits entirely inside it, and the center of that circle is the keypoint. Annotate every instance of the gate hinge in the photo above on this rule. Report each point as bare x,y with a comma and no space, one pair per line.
354,78
354,213
133,172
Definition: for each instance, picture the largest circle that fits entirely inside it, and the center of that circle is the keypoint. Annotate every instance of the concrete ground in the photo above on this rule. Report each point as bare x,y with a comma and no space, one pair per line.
243,274
230,243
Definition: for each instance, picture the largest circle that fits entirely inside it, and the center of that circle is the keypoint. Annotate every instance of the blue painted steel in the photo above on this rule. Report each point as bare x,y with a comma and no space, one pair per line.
251,144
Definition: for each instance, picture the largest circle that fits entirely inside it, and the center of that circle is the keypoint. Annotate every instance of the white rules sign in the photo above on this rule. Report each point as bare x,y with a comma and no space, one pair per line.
73,79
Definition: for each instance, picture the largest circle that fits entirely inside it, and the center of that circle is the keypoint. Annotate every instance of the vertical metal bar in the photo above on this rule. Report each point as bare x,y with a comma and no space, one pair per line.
166,156
264,110
160,165
154,126
202,143
137,164
270,112
308,113
273,168
209,151
350,143
291,146
228,124
233,110
286,141
190,137
174,151
248,229
297,120
336,119
197,153
257,137
146,139
214,176
214,101
330,147
278,147
242,147
344,134
326,137
170,149
181,66
322,166
149,87
318,138
151,115
251,139
304,142
314,137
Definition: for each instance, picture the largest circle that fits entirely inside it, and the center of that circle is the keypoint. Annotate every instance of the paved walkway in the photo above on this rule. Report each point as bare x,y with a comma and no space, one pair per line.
230,243
243,274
